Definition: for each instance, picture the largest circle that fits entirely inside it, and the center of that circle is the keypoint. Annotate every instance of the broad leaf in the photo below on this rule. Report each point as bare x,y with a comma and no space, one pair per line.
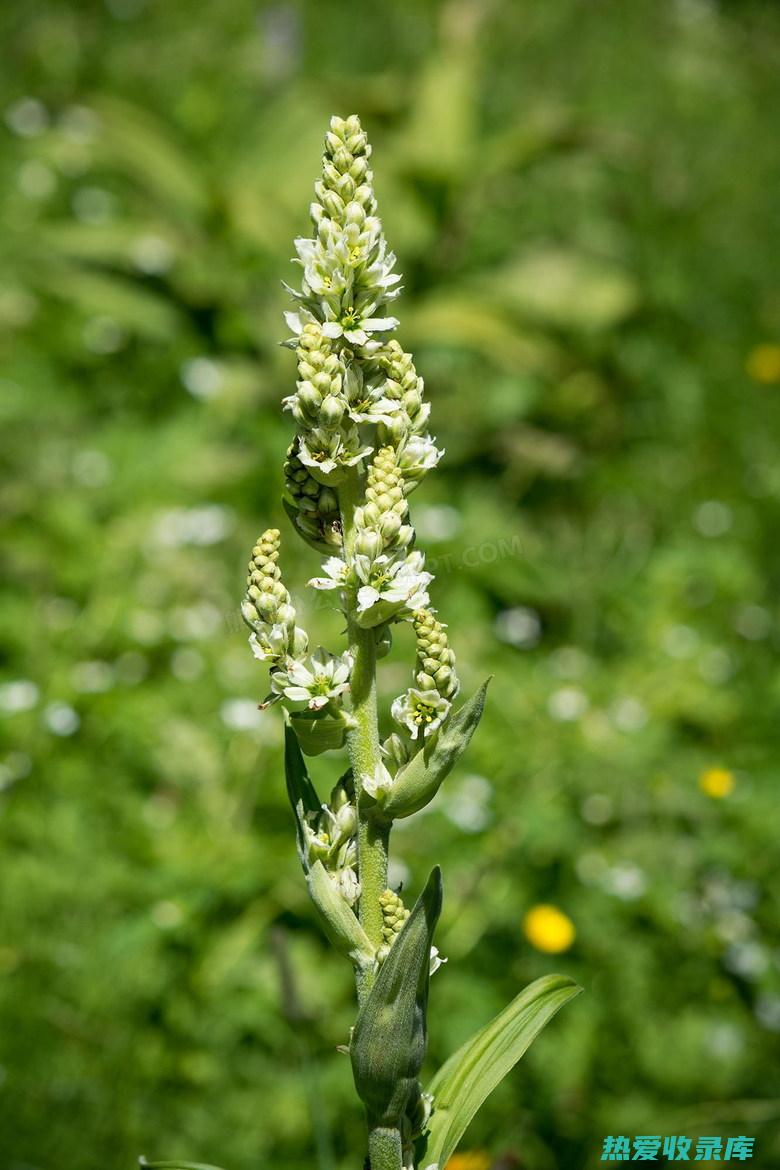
471,1074
390,1037
418,782
317,733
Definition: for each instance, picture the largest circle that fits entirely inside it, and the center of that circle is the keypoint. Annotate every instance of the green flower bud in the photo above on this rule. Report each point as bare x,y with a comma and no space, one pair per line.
332,412
313,508
267,608
394,915
385,510
395,750
435,659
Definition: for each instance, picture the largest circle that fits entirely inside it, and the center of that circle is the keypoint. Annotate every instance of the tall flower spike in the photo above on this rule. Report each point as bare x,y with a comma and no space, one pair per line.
359,398
267,608
347,269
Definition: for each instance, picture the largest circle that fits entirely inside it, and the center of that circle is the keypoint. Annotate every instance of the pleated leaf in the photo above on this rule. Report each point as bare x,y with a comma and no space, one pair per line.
390,1037
464,1082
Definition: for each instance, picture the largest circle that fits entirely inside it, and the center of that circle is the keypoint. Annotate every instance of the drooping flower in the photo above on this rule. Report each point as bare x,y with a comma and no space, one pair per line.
337,573
436,961
417,456
346,882
378,784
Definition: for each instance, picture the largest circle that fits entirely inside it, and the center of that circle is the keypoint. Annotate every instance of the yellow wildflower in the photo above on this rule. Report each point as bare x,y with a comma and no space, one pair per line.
763,363
717,782
549,929
474,1160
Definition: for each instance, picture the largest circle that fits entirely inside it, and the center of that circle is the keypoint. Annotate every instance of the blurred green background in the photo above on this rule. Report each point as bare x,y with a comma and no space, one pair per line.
583,198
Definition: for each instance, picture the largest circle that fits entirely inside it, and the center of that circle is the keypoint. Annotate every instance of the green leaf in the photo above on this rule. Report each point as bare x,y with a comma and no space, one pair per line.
141,145
338,920
471,1074
567,289
390,1037
134,308
142,1162
418,782
317,733
301,791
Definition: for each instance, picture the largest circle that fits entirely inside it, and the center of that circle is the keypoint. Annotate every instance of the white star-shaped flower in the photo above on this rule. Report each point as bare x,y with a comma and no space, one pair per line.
325,679
390,585
420,711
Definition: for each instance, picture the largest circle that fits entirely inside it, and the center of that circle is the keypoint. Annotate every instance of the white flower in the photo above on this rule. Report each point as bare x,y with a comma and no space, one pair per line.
366,400
420,711
418,455
343,822
350,325
271,644
378,785
389,586
436,960
327,453
345,881
356,329
337,573
326,678
274,642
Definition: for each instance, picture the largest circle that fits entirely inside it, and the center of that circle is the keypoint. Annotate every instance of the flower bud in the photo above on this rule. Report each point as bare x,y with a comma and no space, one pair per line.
369,542
394,749
331,412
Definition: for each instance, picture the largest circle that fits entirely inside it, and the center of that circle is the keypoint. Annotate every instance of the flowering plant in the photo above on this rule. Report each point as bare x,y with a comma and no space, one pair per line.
361,447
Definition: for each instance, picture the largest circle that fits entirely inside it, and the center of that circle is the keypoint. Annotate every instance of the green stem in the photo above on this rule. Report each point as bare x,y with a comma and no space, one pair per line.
384,1145
363,746
384,1149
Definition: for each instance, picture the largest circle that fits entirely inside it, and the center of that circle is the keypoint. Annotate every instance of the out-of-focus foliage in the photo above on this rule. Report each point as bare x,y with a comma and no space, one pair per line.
584,202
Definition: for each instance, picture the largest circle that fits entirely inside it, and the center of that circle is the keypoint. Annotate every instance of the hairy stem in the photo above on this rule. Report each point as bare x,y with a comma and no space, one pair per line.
363,747
384,1149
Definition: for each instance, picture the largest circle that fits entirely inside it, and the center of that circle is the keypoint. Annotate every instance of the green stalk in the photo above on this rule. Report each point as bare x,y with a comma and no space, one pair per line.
384,1149
363,747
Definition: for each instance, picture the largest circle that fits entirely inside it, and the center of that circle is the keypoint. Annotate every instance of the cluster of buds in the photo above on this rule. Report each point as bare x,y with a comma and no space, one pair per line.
382,522
312,507
406,429
423,707
330,837
267,608
347,268
394,915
